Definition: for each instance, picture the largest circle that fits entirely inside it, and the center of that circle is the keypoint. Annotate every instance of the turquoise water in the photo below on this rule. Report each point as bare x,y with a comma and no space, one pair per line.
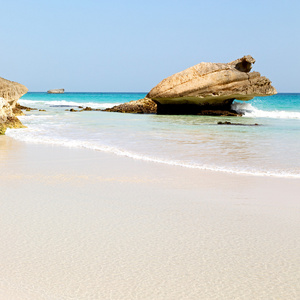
95,99
281,102
272,148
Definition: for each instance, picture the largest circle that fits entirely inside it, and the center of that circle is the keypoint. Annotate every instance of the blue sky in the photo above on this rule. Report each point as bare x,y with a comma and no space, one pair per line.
130,45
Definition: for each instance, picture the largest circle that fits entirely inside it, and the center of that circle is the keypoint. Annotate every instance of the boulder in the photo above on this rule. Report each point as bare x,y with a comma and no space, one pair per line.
56,91
141,106
206,87
10,92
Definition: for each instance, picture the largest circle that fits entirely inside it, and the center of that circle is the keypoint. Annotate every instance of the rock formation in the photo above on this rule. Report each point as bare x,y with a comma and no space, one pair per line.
10,92
206,88
141,106
56,91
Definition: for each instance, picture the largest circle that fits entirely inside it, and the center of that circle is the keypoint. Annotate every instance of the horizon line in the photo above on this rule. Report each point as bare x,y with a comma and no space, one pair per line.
132,92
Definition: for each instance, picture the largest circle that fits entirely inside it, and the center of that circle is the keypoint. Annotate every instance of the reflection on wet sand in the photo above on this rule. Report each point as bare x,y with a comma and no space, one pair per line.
10,149
216,145
5,147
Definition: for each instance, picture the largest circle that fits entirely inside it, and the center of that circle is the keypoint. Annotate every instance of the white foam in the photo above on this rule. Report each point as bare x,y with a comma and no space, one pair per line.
22,101
68,103
28,135
35,117
250,111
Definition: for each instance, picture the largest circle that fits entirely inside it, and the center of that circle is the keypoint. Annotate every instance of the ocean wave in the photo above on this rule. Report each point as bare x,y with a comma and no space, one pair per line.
64,103
250,111
26,135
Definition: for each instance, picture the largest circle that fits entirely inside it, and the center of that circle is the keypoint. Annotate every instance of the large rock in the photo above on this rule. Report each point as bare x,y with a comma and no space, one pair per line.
56,91
209,88
10,92
213,84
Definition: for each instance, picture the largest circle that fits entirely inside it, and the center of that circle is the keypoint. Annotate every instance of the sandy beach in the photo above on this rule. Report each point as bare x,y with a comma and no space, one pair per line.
83,224
149,150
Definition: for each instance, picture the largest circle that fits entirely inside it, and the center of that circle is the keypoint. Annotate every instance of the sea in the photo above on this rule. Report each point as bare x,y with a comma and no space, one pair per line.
270,148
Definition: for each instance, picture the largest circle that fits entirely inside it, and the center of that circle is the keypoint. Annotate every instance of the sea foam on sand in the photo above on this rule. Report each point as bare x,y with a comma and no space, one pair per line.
82,224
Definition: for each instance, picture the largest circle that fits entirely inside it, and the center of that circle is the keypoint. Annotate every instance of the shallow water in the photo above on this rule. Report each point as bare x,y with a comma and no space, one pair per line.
272,148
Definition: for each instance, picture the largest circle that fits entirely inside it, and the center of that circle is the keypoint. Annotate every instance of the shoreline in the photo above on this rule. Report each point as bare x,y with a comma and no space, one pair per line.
125,163
9,143
91,225
144,158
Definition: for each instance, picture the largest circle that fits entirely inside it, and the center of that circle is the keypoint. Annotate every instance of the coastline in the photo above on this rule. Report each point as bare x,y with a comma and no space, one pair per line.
92,225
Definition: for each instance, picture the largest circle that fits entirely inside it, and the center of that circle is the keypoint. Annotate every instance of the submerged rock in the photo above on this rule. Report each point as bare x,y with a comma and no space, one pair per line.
90,109
22,107
56,91
18,109
236,124
204,87
10,92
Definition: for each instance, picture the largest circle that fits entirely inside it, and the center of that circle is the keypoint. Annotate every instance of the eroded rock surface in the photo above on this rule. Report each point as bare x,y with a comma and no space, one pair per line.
204,88
10,92
213,84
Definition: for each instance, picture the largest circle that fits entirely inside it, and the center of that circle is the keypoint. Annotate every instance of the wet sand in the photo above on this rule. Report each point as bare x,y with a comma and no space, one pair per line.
82,224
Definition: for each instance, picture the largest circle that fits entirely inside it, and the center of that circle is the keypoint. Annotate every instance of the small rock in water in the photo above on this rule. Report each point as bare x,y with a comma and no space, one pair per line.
224,123
18,106
90,109
238,124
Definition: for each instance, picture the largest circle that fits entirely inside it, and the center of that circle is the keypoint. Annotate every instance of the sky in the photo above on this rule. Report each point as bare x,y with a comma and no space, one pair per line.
130,46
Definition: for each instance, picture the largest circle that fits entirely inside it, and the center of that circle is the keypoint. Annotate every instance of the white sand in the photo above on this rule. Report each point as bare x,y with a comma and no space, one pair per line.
81,224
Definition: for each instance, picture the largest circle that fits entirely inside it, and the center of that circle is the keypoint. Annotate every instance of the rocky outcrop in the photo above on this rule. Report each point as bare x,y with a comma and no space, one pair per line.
213,84
141,106
56,91
206,88
148,106
10,92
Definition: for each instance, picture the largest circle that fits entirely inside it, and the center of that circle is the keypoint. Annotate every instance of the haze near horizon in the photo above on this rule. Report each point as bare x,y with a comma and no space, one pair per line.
94,46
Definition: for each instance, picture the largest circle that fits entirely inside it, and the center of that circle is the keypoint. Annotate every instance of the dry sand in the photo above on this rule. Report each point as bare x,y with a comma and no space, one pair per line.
81,224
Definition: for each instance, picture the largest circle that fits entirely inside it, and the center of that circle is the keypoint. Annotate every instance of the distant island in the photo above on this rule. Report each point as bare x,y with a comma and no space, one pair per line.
56,91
